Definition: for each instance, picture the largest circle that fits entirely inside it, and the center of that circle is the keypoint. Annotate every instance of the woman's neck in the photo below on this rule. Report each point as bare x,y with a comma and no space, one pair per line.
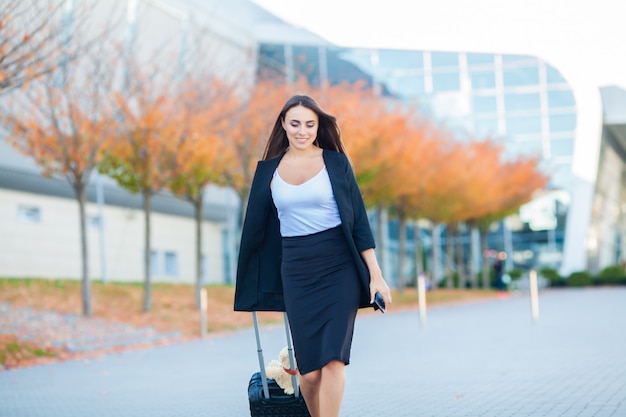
313,151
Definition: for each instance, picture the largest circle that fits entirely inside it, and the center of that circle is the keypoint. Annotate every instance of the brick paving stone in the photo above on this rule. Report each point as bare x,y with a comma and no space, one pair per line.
482,359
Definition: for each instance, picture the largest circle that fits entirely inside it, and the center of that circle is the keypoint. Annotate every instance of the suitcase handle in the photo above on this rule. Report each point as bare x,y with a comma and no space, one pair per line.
294,380
292,361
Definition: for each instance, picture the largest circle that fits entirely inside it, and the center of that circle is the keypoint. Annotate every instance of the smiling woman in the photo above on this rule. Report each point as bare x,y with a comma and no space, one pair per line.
304,160
305,206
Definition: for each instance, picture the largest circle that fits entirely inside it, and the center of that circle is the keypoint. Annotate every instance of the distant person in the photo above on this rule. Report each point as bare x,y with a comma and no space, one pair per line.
498,268
307,248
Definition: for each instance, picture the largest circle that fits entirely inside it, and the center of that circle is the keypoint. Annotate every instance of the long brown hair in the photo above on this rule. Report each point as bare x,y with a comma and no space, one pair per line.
328,133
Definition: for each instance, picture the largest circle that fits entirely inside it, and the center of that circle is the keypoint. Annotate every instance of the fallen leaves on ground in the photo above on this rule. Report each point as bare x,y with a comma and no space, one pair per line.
173,310
15,352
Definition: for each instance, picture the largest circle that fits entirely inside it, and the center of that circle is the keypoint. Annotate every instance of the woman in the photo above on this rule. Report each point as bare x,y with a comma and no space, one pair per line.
307,248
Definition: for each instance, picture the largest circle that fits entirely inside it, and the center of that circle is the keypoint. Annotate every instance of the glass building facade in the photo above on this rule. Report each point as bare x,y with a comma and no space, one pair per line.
520,101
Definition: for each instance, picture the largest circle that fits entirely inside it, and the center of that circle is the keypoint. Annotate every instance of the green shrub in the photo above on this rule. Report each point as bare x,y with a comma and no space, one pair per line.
515,273
553,277
612,275
455,281
579,279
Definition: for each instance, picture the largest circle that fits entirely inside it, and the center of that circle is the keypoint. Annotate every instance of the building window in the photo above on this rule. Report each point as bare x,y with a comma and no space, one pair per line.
446,82
481,60
562,123
524,148
523,125
562,147
395,60
521,102
520,76
484,104
482,79
444,59
306,63
29,214
553,76
561,98
154,263
171,264
271,61
407,86
485,126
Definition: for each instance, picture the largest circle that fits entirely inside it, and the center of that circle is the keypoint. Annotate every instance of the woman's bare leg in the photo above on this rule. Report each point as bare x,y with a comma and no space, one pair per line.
310,390
331,388
323,389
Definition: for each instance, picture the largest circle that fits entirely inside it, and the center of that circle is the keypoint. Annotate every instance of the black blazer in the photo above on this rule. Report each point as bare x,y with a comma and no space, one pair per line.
259,285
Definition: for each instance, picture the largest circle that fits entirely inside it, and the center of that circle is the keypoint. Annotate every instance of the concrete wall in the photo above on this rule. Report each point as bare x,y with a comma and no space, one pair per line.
50,247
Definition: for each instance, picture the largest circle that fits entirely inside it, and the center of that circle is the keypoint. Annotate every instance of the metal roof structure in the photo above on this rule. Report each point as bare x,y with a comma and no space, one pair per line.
20,173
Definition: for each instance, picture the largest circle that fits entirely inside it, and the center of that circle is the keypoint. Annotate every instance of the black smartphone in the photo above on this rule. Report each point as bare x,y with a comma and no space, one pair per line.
379,302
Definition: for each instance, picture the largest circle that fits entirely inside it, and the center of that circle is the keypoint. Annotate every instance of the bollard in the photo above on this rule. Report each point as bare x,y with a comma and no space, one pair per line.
203,312
421,298
534,296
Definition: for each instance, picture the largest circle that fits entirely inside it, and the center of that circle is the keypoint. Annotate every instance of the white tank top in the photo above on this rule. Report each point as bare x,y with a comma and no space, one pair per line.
306,208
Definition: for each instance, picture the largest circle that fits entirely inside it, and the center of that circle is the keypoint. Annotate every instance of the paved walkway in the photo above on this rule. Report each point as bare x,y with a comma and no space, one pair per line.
478,359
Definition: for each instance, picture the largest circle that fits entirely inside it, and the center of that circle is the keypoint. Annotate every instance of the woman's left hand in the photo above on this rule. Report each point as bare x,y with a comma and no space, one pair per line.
378,284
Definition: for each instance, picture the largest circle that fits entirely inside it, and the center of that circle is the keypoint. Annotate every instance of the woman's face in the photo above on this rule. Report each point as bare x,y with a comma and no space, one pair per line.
300,124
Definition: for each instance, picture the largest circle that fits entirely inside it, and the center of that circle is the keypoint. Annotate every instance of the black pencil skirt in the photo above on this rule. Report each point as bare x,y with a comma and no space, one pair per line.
321,289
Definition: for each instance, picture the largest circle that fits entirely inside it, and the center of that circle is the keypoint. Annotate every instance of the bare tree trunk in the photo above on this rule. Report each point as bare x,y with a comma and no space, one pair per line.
436,249
198,204
473,272
402,281
485,267
449,257
147,286
380,238
460,259
79,188
419,256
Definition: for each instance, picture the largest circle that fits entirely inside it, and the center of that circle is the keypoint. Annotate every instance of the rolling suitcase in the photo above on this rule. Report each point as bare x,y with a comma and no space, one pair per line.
265,396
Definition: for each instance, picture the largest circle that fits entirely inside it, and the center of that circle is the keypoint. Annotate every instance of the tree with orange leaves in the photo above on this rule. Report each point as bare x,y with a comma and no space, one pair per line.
430,180
414,170
483,160
201,156
257,114
477,186
373,130
150,121
513,183
478,162
65,123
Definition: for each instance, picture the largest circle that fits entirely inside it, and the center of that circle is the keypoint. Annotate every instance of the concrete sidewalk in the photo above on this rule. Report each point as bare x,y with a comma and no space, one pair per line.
479,359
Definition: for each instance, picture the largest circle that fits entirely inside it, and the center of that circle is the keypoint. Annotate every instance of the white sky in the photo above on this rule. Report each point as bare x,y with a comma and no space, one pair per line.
582,38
